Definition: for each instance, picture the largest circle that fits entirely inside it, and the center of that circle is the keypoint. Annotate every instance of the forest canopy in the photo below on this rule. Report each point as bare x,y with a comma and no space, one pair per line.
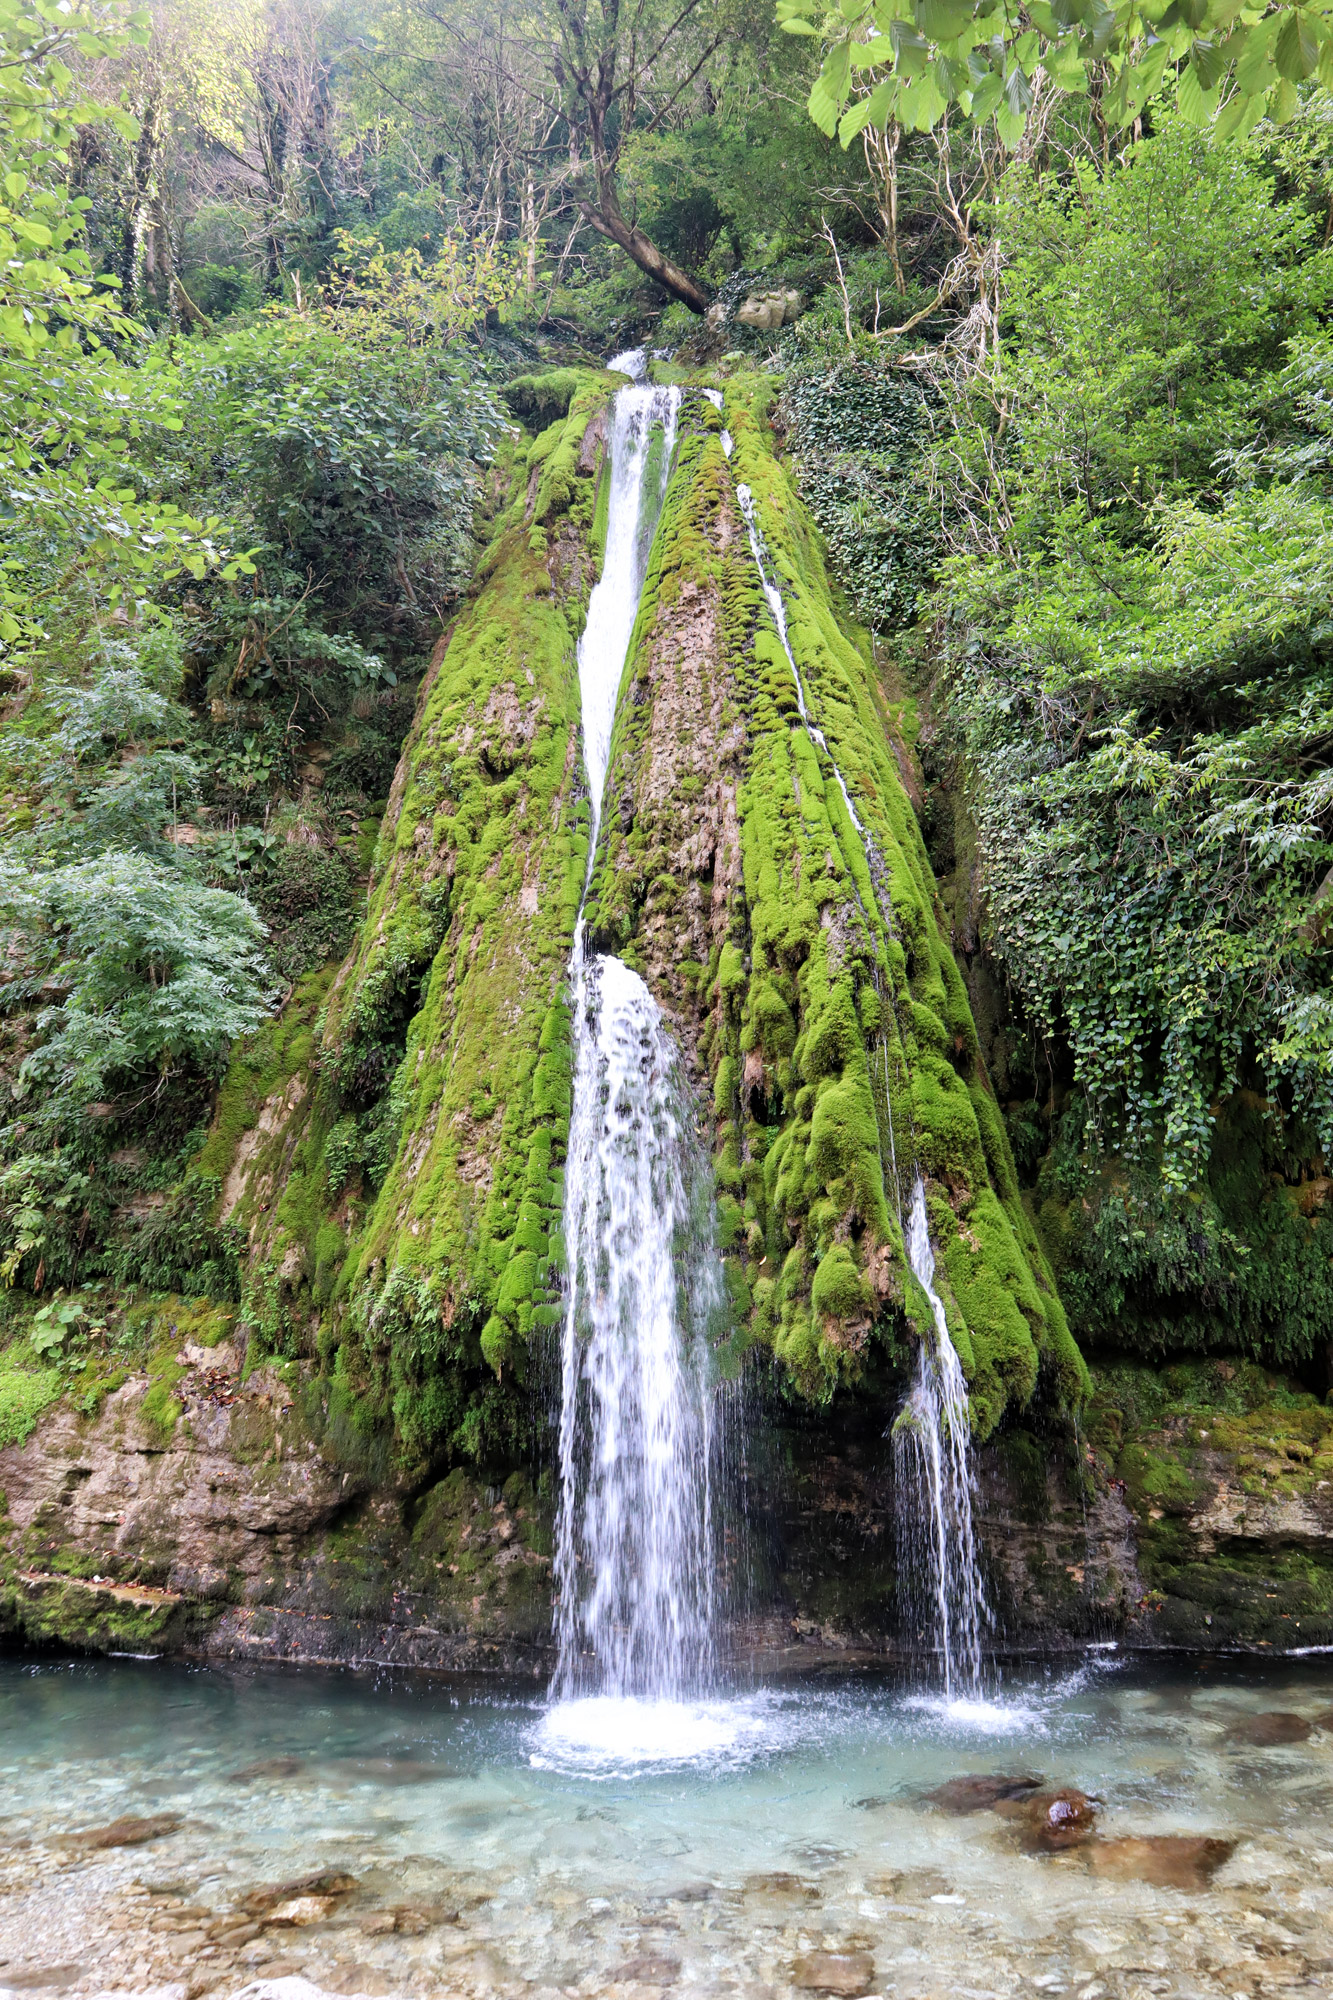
1048,331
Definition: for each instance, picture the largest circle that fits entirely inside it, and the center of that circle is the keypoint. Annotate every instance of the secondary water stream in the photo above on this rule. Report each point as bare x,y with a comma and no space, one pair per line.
942,1591
932,1444
634,1562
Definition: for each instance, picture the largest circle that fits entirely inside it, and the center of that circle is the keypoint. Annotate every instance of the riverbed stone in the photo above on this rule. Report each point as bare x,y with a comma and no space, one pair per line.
1168,1860
1270,1730
846,1973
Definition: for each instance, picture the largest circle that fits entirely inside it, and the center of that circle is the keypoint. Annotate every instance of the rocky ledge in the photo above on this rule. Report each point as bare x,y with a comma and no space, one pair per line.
246,1521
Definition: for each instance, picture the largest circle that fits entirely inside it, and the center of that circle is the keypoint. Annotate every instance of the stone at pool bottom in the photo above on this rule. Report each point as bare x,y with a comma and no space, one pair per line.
1165,1860
844,1973
1271,1729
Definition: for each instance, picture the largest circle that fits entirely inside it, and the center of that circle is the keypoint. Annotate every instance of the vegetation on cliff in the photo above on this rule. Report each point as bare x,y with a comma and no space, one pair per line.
302,455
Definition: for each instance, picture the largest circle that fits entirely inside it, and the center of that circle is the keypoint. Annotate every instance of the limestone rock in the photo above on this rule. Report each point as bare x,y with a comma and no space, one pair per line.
847,1973
978,1792
1167,1860
767,311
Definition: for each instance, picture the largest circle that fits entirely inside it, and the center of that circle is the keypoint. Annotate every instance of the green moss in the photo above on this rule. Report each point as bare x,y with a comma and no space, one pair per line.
832,1019
26,1390
412,1198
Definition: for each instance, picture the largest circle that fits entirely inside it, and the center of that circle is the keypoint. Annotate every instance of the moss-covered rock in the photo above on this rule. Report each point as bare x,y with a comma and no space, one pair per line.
801,960
1228,1471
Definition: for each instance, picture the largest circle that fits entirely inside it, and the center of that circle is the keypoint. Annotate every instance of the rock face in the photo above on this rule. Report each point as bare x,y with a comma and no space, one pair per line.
393,1148
241,1535
245,1532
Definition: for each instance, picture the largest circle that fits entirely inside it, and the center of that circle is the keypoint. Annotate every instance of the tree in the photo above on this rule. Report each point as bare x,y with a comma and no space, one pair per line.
605,61
909,60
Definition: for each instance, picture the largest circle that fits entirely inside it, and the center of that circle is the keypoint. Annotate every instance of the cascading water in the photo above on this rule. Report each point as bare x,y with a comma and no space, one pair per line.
932,1434
634,1557
932,1446
773,597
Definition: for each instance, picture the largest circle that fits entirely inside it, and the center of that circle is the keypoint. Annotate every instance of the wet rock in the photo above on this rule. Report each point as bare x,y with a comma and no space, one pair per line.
298,1911
39,1978
1052,1821
767,311
124,1832
910,1885
406,1920
781,1884
1267,1731
267,1768
228,1932
981,1791
648,1971
259,1902
844,1972
1167,1860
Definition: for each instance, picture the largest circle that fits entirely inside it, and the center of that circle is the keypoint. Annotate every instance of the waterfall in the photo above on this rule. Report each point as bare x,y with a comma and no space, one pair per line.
774,599
634,1557
932,1448
932,1433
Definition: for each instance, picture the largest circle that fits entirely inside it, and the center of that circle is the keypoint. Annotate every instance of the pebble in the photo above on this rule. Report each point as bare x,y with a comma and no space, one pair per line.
847,1973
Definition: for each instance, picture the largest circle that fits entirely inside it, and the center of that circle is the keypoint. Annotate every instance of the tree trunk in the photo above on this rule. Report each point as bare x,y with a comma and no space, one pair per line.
606,217
138,204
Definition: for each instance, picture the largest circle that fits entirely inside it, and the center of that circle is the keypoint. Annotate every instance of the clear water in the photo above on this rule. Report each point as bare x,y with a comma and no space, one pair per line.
932,1449
763,1827
635,1560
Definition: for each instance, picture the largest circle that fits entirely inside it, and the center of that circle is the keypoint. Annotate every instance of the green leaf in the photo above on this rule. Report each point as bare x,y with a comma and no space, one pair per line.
1209,61
1017,94
987,96
911,50
942,20
1297,49
1010,125
922,104
1252,61
829,90
876,109
1197,106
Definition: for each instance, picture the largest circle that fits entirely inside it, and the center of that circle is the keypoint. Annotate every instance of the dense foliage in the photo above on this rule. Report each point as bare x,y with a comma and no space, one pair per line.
1053,378
225,560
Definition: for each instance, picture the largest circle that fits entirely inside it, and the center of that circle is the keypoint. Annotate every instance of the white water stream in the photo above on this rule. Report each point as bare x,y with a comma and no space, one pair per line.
634,1559
932,1434
932,1447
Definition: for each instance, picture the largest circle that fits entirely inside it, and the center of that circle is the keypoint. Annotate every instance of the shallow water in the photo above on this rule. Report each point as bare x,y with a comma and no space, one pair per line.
607,1846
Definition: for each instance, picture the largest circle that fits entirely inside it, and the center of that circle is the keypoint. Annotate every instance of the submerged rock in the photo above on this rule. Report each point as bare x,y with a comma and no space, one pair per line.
266,1900
1267,1731
980,1791
298,1911
1051,1821
648,1971
267,1768
124,1832
1167,1860
781,1884
843,1972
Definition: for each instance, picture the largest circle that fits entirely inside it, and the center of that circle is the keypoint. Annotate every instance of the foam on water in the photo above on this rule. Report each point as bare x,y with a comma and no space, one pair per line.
611,1736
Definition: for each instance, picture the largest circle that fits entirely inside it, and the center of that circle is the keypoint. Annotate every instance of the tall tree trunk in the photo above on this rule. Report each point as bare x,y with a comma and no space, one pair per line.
273,136
606,217
530,239
139,203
